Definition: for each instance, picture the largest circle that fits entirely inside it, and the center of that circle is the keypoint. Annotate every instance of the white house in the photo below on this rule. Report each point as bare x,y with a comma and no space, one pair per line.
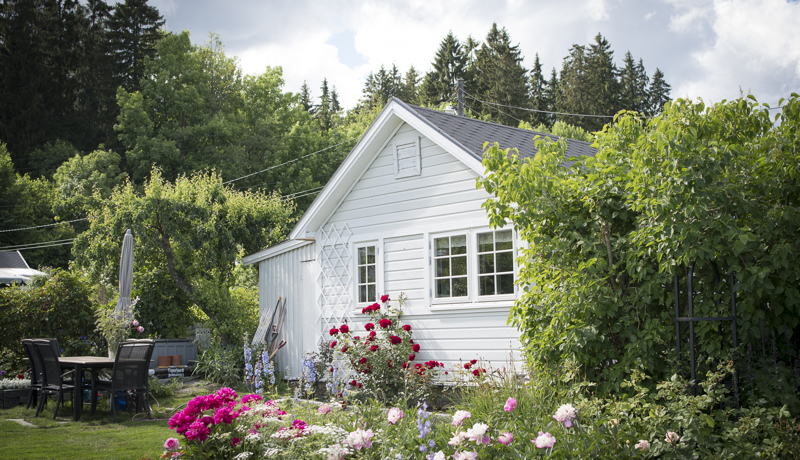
403,214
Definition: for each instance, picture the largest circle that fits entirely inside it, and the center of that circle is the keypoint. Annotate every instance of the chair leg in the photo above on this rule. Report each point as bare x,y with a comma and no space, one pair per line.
30,399
147,404
42,402
58,403
113,405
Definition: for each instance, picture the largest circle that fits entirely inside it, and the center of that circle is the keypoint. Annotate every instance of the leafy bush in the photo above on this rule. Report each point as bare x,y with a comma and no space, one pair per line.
713,186
221,364
59,308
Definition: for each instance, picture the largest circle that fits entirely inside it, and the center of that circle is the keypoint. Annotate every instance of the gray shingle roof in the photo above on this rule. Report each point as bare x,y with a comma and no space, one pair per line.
471,134
12,259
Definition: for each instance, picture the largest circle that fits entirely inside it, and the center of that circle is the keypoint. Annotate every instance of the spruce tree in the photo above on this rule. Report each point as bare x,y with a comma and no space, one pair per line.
323,112
633,85
659,93
305,98
573,89
449,64
500,78
603,83
409,89
538,95
134,30
335,107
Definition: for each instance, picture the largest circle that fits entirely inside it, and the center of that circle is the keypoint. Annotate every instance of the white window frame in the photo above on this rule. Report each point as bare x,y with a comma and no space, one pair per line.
473,297
416,143
377,244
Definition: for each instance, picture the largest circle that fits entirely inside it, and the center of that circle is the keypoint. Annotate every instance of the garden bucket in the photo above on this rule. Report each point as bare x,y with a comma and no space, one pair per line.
176,360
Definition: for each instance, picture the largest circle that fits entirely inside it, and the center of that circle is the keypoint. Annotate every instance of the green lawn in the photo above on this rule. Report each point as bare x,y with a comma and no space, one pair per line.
94,437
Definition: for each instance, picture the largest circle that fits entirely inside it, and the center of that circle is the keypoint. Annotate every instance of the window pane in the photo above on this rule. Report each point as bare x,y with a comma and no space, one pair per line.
362,274
505,284
504,240
371,293
505,262
362,293
460,266
459,287
371,254
443,288
485,242
442,267
486,284
370,273
486,263
458,244
362,256
442,246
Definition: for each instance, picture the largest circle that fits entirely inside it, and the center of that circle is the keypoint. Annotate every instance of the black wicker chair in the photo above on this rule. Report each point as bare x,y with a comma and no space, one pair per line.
130,374
36,370
52,378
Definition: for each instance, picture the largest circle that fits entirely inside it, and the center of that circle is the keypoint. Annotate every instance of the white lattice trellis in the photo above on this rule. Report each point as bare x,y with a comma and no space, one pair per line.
335,279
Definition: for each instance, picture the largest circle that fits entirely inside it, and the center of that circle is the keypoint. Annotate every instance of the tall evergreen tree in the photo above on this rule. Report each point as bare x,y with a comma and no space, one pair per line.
380,87
633,82
500,77
659,93
574,90
538,95
602,75
323,112
305,98
449,64
409,89
134,30
552,94
335,106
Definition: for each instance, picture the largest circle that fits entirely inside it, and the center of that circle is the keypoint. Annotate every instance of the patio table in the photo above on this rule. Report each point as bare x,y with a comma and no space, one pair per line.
81,364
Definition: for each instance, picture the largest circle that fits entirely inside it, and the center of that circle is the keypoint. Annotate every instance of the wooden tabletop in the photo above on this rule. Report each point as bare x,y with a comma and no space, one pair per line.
86,360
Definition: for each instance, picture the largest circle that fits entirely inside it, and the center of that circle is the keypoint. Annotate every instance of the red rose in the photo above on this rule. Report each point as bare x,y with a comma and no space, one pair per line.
395,340
333,344
353,383
334,331
345,348
411,357
357,337
415,347
369,326
404,365
373,348
417,366
372,335
410,340
363,361
364,311
20,376
344,328
445,372
473,361
406,327
476,372
385,322
466,366
359,384
385,298
374,307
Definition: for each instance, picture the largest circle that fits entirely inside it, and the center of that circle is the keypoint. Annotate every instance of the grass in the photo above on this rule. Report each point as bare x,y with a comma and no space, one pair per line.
94,437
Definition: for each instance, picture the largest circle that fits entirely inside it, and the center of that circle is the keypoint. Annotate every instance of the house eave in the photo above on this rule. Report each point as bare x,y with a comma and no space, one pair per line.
276,250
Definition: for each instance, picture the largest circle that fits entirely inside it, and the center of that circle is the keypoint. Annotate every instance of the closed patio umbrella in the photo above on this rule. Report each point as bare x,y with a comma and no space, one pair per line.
125,277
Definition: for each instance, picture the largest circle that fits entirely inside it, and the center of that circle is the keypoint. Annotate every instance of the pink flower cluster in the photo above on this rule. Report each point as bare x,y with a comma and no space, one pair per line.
565,414
192,423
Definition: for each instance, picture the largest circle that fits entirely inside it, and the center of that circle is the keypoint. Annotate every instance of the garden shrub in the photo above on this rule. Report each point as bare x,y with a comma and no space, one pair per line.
713,186
221,364
59,308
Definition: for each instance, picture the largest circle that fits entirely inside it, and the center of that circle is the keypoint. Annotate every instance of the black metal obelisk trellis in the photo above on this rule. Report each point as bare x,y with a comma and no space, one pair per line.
691,319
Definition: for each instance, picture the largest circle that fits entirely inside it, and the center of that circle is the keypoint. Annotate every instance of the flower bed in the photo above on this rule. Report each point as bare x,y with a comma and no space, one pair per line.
14,392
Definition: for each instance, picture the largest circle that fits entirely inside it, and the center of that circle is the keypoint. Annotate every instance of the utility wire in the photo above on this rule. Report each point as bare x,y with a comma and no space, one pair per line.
290,161
42,226
45,246
24,246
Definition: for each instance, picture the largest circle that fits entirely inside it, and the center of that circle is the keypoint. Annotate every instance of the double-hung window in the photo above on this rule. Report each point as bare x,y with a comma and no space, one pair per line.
473,266
366,273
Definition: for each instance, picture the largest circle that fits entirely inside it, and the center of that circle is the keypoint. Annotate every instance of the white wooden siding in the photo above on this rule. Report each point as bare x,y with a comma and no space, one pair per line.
292,276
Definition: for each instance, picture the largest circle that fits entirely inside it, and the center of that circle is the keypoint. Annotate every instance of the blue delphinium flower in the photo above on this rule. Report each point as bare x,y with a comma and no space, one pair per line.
248,366
269,369
308,374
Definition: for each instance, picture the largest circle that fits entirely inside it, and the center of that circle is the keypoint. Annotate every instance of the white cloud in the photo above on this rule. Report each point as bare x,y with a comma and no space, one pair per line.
597,10
756,47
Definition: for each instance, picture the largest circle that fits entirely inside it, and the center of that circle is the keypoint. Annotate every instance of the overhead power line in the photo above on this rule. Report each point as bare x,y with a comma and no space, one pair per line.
25,246
45,246
290,161
42,226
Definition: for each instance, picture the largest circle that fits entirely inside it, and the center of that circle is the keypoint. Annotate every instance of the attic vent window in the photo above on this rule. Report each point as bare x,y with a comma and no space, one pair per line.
407,159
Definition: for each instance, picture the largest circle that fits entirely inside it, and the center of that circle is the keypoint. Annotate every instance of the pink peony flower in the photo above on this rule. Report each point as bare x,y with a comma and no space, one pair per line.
478,433
672,437
643,445
324,409
360,439
140,329
395,415
460,416
465,456
511,404
135,323
544,441
505,438
566,414
172,444
439,456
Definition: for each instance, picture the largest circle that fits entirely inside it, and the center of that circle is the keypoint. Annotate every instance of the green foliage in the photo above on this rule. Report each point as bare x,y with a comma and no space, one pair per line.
60,308
82,181
220,363
715,186
187,237
161,389
561,129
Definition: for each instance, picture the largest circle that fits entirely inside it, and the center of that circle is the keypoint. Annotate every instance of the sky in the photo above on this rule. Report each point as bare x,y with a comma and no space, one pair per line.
709,49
